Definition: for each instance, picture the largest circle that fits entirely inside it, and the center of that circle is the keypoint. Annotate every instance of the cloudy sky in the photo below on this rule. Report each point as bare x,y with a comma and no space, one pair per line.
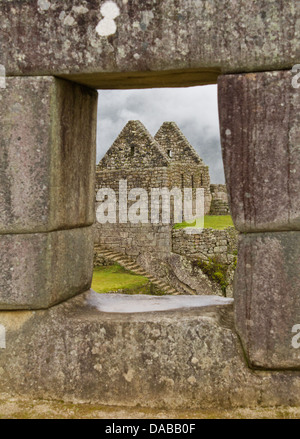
194,109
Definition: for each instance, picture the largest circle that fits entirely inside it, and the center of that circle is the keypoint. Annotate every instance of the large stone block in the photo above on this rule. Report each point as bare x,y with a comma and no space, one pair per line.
47,155
260,120
42,269
90,349
147,43
267,300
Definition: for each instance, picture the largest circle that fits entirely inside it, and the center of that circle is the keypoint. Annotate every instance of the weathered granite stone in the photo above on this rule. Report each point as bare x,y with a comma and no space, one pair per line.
260,119
165,161
186,358
47,155
39,270
267,300
163,43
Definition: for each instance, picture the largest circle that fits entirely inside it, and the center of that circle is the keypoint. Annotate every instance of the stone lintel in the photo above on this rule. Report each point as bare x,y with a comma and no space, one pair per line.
67,38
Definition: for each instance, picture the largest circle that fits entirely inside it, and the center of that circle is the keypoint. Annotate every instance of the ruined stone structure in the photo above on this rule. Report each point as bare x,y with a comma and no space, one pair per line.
165,161
55,54
219,200
172,256
208,243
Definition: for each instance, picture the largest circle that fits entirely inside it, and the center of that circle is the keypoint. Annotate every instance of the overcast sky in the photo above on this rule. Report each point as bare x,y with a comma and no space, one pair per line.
194,109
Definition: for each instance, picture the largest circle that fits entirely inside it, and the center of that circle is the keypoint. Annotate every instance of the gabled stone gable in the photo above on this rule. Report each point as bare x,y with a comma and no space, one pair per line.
134,148
175,144
148,164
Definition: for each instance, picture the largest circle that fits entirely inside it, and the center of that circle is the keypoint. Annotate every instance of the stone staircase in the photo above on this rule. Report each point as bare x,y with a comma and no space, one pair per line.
131,265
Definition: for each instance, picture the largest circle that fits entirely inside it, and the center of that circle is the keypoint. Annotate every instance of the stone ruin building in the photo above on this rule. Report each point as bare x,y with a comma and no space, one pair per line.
166,160
58,340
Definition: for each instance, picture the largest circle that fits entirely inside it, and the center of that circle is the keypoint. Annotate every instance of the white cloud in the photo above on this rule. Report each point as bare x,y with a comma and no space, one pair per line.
194,109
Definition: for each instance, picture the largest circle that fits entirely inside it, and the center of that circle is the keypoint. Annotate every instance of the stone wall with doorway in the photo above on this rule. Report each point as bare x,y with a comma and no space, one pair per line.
219,200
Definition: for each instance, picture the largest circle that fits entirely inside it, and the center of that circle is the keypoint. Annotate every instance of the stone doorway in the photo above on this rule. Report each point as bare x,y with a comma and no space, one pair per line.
56,54
184,153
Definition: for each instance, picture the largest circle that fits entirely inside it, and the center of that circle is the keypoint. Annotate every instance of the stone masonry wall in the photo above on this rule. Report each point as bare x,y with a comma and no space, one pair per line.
219,200
136,178
208,243
134,148
175,144
135,239
216,249
172,255
191,175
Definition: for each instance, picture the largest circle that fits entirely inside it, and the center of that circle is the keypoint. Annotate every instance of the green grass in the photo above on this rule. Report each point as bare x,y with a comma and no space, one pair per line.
115,277
210,221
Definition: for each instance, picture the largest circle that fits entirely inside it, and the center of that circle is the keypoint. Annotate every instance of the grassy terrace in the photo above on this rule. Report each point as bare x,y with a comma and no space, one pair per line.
210,221
115,277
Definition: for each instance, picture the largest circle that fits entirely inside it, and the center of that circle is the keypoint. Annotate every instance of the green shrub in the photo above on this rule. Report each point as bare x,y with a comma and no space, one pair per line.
216,271
234,262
